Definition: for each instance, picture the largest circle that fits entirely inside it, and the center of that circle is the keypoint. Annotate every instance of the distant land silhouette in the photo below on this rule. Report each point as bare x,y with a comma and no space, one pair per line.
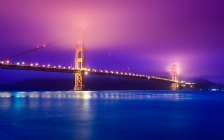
102,83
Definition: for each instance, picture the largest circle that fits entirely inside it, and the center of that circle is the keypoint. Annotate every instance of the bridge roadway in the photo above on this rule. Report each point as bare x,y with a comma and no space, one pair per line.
47,68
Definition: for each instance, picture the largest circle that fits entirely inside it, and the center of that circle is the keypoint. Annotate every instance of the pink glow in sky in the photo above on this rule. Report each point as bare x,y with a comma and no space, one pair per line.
153,33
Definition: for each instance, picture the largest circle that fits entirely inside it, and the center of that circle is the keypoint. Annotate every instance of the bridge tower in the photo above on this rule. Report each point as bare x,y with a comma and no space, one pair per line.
174,85
173,69
79,65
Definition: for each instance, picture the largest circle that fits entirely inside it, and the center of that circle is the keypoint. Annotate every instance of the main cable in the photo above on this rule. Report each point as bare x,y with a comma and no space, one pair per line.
39,47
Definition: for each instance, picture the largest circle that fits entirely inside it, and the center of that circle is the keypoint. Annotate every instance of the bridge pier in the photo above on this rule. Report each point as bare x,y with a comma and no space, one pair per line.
79,65
174,86
79,81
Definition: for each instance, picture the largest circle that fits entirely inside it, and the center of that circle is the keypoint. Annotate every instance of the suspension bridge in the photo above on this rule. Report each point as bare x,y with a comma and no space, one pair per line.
79,70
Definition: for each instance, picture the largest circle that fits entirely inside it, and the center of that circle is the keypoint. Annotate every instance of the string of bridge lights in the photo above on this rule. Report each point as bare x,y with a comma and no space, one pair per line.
87,70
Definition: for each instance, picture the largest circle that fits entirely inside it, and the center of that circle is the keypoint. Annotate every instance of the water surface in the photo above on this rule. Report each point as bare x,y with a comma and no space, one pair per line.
112,115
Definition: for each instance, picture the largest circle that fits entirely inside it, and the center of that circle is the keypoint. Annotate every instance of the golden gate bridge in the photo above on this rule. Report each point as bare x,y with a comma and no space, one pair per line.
79,69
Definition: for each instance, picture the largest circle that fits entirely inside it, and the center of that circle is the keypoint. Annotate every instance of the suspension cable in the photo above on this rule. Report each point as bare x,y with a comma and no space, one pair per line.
39,47
113,59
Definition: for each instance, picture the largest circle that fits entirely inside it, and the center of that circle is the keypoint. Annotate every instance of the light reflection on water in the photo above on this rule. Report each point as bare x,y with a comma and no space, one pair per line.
85,95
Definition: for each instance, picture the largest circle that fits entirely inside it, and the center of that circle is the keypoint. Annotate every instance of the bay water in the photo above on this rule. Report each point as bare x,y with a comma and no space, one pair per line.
112,115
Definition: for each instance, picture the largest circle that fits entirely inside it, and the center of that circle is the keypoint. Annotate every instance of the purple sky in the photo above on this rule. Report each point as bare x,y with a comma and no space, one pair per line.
147,35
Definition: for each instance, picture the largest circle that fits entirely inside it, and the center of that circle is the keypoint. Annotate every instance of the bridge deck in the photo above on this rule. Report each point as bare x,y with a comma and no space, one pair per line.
86,71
